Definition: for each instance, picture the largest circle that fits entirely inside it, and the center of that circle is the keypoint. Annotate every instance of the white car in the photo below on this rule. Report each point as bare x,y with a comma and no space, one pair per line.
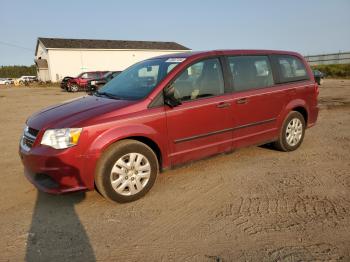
4,81
23,79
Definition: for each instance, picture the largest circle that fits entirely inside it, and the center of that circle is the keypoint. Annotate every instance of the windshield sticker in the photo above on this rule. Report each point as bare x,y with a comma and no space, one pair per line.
175,60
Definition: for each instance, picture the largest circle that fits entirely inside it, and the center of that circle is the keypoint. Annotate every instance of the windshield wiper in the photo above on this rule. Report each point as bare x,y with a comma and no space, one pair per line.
109,95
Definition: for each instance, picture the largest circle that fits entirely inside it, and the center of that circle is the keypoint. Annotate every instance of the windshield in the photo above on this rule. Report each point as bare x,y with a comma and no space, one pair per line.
139,80
107,74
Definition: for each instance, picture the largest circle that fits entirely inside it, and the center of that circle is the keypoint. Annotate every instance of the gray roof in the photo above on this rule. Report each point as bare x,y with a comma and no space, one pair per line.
108,44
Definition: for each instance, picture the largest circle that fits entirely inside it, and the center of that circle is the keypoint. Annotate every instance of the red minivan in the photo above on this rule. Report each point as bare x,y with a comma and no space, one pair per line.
166,111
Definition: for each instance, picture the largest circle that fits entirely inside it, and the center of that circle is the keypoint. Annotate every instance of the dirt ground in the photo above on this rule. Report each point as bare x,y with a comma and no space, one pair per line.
256,204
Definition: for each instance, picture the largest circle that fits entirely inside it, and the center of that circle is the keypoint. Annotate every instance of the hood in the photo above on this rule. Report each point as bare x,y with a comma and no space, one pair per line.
75,113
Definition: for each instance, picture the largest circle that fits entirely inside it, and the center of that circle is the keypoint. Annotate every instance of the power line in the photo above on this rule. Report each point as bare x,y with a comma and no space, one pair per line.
17,46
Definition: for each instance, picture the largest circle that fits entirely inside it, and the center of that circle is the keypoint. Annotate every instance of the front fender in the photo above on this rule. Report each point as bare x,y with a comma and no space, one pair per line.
112,135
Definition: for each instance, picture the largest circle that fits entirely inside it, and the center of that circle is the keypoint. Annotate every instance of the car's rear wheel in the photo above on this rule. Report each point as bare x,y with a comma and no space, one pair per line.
126,171
292,132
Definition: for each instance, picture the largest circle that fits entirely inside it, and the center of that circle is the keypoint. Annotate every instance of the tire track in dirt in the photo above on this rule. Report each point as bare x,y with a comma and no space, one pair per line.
316,252
253,215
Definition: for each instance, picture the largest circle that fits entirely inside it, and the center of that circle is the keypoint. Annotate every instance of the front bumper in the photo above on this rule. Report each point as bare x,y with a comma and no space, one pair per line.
55,171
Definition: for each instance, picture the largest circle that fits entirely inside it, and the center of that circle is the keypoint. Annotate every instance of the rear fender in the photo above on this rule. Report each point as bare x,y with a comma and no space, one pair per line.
289,107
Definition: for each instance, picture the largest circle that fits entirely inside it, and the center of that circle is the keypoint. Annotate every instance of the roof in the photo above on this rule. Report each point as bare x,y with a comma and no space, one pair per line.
108,44
227,52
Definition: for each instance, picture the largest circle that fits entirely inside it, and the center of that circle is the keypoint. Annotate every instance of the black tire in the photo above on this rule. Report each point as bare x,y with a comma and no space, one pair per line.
282,143
108,161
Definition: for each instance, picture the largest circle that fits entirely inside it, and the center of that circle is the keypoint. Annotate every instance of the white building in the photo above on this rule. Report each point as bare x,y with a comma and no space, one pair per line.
56,58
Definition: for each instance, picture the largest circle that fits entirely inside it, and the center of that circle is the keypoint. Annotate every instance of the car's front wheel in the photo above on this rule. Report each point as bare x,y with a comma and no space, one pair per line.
126,171
292,132
74,88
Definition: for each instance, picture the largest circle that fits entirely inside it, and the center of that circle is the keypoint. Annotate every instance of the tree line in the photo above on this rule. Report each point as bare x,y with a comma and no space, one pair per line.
17,71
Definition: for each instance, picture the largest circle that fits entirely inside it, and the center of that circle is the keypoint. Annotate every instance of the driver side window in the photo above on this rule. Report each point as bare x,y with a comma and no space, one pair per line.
85,75
202,79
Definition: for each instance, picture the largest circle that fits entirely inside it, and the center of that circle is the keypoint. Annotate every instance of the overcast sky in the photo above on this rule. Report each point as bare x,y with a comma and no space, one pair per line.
308,27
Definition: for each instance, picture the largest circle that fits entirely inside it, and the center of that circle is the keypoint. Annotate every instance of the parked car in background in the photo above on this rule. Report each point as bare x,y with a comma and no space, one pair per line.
29,79
166,111
65,81
80,82
4,81
94,84
318,75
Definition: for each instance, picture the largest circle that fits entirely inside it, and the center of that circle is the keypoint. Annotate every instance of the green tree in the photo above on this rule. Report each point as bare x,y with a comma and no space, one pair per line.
17,71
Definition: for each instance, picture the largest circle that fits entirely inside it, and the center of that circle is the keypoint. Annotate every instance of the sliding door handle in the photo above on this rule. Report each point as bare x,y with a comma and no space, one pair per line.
242,101
223,105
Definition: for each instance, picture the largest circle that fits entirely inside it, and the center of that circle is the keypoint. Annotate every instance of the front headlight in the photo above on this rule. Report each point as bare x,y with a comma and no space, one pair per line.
93,83
61,138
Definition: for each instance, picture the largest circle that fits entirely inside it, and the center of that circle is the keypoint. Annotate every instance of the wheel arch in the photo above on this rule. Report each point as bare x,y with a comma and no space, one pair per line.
142,133
298,105
151,143
302,110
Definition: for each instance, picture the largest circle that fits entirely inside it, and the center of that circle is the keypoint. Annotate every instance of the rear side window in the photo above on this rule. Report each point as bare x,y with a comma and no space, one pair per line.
250,72
291,69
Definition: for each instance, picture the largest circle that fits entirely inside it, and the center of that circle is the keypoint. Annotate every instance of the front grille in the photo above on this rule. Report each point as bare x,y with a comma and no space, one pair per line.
33,131
28,141
28,138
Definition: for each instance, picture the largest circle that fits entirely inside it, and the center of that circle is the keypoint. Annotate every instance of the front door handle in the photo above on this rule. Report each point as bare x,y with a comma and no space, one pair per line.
242,101
223,105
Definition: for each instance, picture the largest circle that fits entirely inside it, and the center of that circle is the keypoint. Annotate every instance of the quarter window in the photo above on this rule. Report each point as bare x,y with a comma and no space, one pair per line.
291,69
250,72
202,79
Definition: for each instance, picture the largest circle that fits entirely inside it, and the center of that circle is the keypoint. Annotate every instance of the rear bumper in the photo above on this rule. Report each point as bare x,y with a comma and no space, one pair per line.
313,115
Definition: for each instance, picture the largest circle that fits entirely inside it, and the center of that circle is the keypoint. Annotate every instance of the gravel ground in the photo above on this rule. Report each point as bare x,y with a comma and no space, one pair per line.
256,204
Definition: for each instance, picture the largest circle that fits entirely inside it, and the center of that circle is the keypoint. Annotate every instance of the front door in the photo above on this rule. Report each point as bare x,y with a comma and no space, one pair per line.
202,125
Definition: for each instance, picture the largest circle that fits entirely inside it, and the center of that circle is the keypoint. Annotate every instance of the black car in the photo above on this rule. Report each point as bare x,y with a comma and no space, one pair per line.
318,75
65,81
94,84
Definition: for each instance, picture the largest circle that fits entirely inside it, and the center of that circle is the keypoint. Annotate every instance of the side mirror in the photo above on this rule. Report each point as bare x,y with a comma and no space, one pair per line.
169,97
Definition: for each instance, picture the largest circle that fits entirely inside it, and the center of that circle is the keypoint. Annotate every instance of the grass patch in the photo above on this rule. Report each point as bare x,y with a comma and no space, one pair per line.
334,71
